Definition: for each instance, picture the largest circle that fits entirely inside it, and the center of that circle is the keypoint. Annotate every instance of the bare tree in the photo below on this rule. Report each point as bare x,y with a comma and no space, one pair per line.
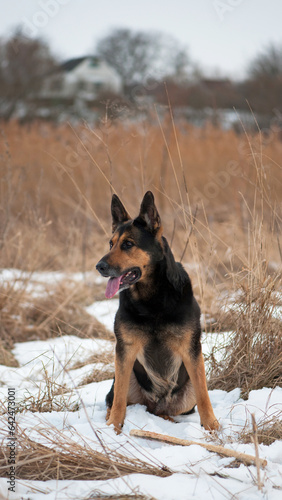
24,64
139,55
268,64
263,87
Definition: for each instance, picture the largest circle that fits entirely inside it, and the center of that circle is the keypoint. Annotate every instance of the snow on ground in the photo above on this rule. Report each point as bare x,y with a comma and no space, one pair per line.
35,283
104,311
197,472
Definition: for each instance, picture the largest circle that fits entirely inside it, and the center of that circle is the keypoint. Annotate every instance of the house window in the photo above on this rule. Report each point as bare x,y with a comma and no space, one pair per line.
56,84
97,87
81,85
94,62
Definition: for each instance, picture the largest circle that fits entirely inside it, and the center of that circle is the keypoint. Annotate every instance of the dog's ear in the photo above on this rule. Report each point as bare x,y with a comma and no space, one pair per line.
119,214
149,213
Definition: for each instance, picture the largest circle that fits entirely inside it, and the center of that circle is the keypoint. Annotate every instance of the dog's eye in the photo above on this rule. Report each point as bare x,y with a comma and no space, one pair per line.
126,245
111,245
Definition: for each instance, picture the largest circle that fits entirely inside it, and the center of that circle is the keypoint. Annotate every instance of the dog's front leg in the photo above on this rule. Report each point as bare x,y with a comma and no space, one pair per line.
126,354
196,370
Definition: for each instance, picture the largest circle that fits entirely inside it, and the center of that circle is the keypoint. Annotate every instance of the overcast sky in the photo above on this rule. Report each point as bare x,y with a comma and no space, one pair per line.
221,35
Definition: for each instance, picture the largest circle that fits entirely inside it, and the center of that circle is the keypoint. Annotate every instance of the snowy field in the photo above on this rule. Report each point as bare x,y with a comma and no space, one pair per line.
196,472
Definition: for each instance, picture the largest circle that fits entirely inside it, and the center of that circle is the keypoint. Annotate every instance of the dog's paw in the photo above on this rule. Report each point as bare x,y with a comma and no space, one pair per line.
117,425
211,424
167,417
116,419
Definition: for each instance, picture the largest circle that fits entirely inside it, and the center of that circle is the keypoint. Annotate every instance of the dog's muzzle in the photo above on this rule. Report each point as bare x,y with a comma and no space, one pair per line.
103,268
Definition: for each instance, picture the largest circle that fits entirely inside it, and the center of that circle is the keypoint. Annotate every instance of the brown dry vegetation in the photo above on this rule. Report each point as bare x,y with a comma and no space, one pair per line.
64,458
60,310
219,195
56,185
268,431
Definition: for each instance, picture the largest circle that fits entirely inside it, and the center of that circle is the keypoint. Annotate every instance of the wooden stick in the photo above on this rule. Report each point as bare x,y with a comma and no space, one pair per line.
243,457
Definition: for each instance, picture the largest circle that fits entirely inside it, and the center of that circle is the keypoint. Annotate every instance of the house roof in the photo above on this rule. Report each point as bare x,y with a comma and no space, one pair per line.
70,64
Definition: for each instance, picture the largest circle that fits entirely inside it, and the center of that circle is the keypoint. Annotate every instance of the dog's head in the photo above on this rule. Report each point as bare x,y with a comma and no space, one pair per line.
135,246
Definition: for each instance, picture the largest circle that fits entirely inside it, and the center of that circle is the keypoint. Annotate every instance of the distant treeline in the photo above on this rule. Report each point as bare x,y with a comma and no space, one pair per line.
153,67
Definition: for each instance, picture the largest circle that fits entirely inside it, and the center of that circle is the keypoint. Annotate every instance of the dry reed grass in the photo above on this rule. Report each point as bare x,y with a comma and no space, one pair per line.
62,312
51,397
253,357
98,374
56,184
219,195
63,458
12,301
6,357
268,431
59,310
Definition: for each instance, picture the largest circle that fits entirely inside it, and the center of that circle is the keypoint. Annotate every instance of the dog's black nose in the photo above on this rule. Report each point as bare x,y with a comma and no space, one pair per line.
103,268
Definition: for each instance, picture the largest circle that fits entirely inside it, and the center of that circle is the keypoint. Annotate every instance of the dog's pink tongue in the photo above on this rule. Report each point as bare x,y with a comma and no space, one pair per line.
112,287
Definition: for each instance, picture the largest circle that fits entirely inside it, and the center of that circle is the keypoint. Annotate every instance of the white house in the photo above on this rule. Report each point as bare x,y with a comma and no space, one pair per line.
82,78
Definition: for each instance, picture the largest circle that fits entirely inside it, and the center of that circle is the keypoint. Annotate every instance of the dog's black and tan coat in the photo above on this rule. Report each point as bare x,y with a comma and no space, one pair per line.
158,360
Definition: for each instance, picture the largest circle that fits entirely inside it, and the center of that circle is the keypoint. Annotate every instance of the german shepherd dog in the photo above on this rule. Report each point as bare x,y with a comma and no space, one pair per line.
158,361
